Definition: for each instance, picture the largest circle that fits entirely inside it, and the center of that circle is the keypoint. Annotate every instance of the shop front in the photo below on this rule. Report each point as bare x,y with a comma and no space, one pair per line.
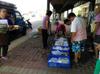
82,10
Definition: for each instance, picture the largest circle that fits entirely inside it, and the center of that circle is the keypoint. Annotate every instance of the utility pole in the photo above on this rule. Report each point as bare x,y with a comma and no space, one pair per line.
91,15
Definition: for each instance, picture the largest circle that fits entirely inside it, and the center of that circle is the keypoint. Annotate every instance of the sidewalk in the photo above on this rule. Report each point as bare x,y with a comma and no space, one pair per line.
26,58
20,40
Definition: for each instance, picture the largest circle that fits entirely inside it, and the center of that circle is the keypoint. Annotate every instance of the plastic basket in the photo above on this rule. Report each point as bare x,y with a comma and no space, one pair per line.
58,52
52,48
58,65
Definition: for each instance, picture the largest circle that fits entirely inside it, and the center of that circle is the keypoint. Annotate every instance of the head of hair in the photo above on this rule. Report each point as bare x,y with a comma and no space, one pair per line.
3,12
66,20
2,8
71,15
49,13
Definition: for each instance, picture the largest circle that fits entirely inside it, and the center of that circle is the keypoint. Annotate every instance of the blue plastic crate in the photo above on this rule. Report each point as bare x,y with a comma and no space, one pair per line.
58,52
61,47
58,65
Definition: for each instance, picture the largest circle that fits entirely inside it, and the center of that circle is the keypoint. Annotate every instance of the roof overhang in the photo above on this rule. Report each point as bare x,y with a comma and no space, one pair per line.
63,5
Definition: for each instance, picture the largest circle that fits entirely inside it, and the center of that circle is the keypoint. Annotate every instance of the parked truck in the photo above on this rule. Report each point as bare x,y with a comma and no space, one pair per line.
16,18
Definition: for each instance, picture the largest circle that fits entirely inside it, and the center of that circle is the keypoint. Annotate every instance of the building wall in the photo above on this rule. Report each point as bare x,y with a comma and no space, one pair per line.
97,1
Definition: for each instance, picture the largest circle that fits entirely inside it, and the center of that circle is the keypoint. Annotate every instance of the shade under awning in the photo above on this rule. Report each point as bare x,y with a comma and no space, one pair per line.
63,5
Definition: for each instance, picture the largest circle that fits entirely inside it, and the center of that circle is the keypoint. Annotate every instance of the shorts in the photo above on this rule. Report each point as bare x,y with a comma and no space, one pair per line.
78,46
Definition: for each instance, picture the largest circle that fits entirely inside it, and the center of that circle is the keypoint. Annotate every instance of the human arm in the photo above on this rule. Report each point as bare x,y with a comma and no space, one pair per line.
72,36
97,26
73,29
47,24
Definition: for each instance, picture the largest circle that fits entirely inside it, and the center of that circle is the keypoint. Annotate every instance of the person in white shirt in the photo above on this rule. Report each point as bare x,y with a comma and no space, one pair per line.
78,35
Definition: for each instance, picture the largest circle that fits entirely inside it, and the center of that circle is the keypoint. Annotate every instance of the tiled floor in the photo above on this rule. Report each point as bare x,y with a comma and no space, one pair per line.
27,59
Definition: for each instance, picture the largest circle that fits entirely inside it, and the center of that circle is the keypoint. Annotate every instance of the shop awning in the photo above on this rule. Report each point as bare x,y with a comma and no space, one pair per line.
63,5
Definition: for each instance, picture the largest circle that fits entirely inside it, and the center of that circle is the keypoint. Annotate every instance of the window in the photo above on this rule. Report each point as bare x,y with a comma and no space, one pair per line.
18,15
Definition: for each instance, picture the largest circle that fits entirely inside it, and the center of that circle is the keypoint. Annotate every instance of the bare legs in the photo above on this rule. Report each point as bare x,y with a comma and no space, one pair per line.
77,56
97,49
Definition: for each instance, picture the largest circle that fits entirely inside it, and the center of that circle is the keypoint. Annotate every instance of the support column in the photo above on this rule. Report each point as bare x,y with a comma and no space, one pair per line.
59,16
48,5
62,16
48,9
92,5
53,13
91,11
91,14
71,10
67,12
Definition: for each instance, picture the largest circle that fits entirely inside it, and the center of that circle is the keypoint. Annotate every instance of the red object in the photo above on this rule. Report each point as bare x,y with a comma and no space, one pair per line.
61,27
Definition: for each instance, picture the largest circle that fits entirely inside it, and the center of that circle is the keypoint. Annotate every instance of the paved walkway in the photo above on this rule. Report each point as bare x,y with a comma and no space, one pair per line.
27,59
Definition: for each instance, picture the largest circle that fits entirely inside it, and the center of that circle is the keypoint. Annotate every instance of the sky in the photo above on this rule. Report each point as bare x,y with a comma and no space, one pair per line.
37,7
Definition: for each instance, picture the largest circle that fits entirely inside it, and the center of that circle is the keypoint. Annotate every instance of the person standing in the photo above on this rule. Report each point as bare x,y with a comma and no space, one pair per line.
4,41
78,35
97,33
45,27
